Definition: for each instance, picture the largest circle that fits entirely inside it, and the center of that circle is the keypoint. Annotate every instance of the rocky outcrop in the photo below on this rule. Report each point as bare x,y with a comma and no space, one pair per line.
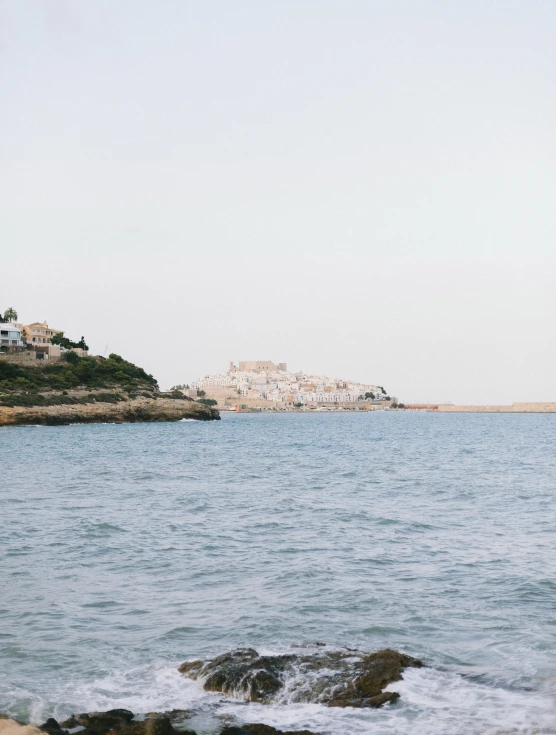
130,411
335,678
123,722
115,722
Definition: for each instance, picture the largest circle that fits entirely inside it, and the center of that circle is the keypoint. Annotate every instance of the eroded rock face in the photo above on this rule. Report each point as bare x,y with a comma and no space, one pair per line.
335,678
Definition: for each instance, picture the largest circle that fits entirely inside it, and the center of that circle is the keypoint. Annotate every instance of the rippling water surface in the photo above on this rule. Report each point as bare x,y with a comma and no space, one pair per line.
128,549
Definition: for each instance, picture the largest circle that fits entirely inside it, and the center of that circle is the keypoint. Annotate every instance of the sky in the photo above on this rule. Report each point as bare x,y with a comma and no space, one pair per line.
362,189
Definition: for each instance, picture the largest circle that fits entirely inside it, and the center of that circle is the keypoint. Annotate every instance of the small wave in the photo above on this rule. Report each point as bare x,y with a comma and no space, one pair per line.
103,528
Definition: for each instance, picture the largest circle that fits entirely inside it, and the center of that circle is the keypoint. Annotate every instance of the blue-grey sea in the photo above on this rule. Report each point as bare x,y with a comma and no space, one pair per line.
127,549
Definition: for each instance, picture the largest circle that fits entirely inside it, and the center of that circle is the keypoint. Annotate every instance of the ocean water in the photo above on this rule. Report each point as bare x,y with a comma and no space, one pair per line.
127,549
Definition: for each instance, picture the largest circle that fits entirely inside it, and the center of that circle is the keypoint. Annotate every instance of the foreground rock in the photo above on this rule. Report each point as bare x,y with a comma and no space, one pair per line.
122,722
130,411
334,678
114,722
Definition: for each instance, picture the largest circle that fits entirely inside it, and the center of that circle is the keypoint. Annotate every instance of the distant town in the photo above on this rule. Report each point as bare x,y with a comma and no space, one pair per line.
265,384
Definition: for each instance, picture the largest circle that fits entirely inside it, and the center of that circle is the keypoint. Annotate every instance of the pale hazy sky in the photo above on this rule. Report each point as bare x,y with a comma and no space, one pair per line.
364,189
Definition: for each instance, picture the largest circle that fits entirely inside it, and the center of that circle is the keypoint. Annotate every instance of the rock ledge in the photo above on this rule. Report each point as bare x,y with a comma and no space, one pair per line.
131,411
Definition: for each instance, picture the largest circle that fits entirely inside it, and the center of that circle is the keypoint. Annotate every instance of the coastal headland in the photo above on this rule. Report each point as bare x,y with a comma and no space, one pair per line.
74,389
127,410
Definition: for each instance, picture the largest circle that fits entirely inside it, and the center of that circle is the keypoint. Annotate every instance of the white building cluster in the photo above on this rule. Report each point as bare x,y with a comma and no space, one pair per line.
266,381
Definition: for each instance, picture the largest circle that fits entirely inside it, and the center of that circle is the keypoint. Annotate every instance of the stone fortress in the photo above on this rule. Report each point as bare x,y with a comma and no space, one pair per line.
264,384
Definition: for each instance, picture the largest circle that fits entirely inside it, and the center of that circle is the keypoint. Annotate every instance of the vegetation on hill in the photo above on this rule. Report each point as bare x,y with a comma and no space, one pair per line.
22,385
59,339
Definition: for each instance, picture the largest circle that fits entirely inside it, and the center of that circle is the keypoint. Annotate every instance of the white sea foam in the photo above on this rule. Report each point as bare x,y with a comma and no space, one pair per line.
432,702
159,687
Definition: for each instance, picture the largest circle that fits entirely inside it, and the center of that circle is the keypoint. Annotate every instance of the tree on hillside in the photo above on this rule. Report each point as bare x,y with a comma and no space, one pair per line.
370,395
59,339
10,315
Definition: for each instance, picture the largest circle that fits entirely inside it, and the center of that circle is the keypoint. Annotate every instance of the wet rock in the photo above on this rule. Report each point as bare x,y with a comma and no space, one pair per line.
155,723
191,667
99,723
240,673
374,673
52,727
70,723
344,678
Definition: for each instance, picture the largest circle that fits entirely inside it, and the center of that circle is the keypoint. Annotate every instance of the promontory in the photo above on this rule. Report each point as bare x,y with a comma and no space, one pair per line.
87,389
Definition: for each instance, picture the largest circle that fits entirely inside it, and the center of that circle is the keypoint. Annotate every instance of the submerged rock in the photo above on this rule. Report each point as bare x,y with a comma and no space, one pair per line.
336,678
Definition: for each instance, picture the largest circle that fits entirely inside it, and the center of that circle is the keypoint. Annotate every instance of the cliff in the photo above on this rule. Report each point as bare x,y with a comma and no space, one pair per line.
125,411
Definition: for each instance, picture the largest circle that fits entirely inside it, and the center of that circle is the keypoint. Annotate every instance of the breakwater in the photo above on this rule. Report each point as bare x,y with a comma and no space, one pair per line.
524,407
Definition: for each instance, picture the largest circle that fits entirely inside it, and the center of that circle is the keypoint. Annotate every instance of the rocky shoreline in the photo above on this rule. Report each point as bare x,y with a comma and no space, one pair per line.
334,678
129,411
123,722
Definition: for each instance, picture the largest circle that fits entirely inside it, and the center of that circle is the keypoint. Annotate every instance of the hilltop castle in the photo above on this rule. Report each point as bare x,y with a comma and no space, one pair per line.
262,383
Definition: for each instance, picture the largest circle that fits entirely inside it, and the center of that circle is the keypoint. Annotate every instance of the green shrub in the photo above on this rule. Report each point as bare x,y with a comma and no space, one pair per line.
71,357
71,372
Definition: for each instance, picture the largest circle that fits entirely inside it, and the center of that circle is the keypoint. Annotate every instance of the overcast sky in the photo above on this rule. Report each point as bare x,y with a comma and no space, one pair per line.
362,189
